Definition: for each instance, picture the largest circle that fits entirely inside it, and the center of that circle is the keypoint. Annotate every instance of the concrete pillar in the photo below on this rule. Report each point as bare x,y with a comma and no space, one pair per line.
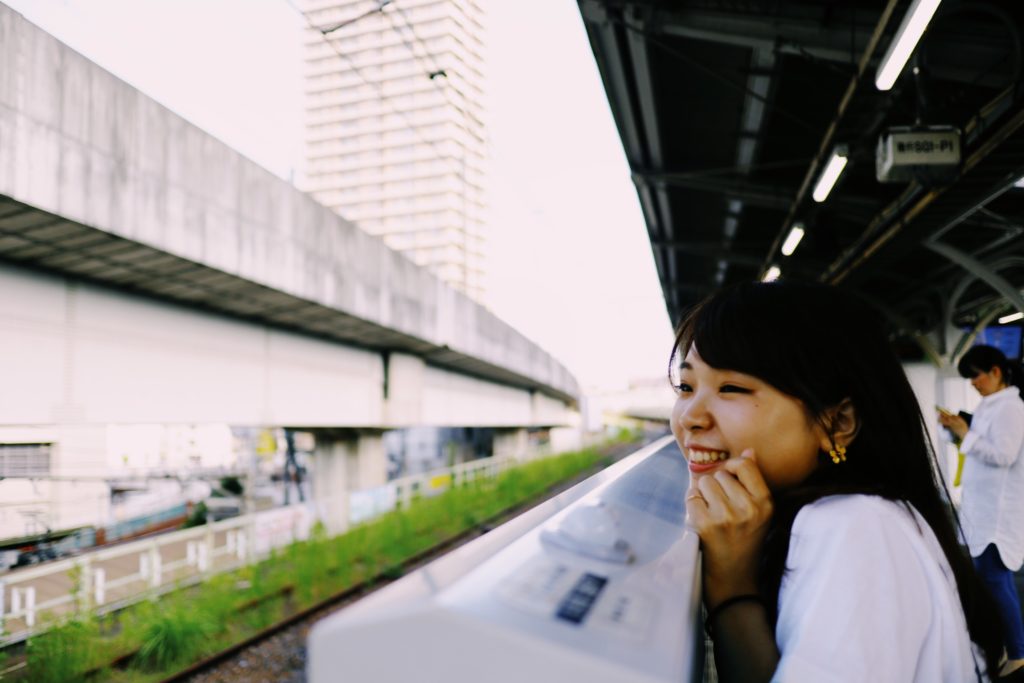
511,443
371,463
565,439
79,450
345,460
329,483
924,379
403,404
940,386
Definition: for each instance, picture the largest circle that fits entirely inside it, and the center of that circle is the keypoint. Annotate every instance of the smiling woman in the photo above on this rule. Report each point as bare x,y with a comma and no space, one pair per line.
721,412
828,550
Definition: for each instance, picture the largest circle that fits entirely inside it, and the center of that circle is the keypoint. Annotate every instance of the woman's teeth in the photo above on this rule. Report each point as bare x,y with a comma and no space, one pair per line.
703,457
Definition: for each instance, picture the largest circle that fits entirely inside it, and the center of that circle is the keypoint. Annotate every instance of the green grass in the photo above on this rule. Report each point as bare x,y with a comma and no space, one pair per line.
177,630
175,634
62,653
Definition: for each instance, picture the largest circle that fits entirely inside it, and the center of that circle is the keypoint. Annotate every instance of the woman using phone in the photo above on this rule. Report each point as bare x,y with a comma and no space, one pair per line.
993,484
828,550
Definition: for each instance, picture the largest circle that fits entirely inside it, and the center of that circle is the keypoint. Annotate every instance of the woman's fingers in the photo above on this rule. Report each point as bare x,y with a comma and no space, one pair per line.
736,493
695,498
727,498
746,471
712,492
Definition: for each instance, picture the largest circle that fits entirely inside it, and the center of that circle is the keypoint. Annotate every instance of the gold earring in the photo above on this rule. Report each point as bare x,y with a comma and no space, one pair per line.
838,454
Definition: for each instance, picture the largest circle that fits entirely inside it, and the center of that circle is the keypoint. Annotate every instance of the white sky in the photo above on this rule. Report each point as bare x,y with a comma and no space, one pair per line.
568,260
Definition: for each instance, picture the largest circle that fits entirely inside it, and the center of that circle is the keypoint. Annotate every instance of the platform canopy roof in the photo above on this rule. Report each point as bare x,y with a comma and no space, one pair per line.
729,110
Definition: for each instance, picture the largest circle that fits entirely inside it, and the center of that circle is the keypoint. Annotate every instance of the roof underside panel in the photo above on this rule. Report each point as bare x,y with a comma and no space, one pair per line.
728,110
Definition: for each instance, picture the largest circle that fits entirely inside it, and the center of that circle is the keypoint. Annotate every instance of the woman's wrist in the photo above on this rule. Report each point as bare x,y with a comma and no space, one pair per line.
715,593
714,612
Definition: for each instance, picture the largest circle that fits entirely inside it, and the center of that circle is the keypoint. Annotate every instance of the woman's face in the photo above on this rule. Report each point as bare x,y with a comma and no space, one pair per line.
988,382
719,413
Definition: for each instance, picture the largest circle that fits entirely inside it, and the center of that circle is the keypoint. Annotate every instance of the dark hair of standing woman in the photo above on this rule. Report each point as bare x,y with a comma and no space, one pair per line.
820,345
983,358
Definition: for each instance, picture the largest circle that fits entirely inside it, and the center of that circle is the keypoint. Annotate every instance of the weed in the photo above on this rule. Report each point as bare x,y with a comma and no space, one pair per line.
218,598
63,653
175,634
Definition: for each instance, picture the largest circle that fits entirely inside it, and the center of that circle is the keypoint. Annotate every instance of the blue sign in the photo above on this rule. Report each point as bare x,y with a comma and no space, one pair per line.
1006,338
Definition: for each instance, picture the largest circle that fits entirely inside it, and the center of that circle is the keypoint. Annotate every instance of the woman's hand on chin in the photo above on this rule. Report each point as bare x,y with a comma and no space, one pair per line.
731,516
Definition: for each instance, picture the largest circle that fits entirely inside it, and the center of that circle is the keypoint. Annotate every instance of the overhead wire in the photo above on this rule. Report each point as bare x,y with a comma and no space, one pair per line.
738,169
435,70
381,4
434,73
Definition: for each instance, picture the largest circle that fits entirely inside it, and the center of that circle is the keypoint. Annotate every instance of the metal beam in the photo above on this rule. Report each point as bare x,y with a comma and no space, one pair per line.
915,199
749,192
968,337
763,29
827,142
647,108
967,280
981,271
611,50
836,40
772,197
713,251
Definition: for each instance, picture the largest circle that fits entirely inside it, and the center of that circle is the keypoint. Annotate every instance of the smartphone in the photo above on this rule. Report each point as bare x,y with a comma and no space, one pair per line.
944,411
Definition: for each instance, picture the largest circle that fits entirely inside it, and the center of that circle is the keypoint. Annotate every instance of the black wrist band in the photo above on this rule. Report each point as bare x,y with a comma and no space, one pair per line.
726,604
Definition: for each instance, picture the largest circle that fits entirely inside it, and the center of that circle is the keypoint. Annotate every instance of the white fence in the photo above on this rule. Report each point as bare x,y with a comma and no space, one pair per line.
111,578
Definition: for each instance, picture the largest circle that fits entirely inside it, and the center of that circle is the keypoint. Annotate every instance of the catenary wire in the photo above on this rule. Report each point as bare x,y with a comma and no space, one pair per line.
384,100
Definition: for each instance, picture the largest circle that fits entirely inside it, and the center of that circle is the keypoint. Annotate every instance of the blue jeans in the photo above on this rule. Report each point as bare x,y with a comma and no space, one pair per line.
999,581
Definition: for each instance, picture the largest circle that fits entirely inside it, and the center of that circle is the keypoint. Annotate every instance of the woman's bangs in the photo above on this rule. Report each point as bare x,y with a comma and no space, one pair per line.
725,332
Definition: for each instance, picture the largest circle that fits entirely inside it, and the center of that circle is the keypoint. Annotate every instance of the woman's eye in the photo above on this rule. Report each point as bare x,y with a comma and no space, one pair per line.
733,389
683,388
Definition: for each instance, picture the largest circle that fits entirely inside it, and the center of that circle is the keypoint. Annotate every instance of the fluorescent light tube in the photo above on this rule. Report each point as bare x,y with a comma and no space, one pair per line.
913,26
1019,182
772,274
796,233
1010,318
828,178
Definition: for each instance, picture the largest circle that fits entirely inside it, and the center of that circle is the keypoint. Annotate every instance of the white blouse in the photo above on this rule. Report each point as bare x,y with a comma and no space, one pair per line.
869,596
992,506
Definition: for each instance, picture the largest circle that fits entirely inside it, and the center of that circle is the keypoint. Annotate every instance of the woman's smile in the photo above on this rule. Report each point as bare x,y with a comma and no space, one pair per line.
704,459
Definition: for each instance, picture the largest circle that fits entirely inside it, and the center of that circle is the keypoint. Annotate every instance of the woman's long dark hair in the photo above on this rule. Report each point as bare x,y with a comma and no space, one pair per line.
821,345
982,358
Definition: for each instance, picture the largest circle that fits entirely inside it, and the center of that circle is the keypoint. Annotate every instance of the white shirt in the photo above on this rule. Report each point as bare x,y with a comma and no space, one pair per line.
869,596
992,505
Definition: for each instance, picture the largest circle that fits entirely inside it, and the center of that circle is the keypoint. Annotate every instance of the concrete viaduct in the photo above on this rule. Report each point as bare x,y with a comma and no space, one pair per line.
149,273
